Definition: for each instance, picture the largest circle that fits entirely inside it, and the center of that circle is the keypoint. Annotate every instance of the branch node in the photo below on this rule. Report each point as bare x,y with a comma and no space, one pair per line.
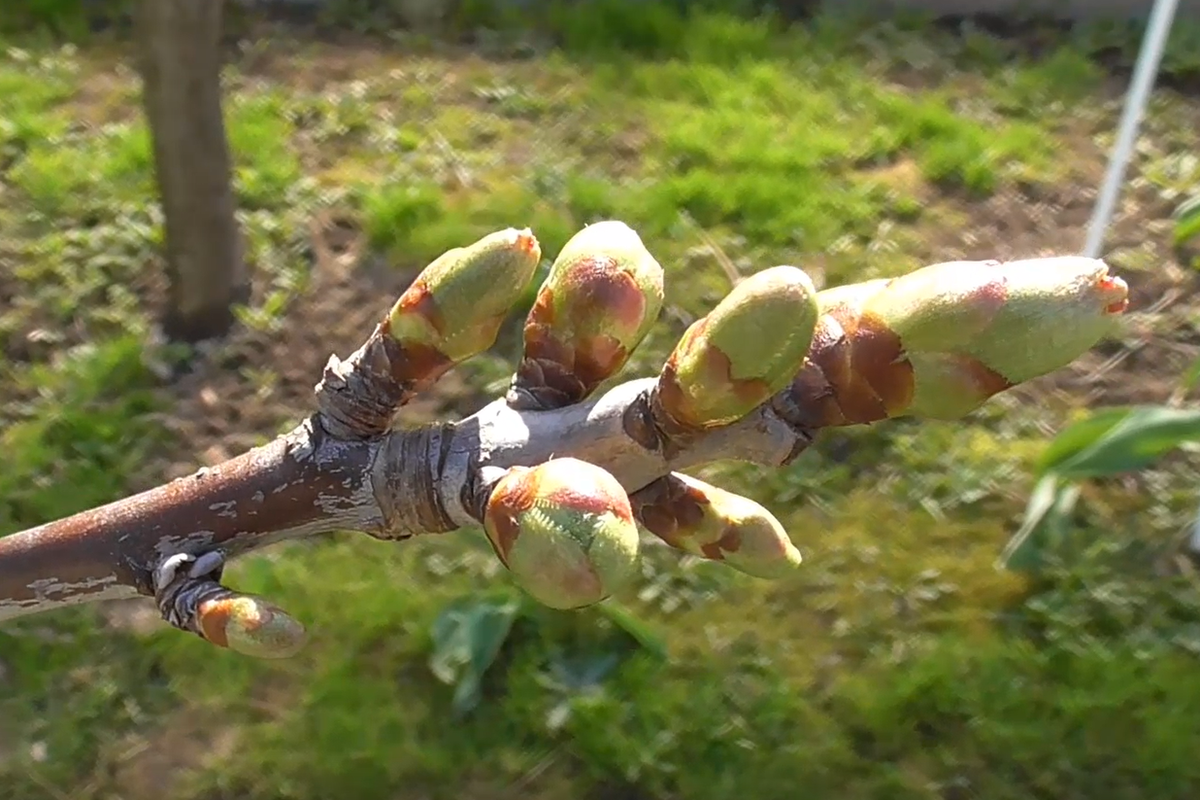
798,416
405,481
528,390
477,490
179,592
195,601
358,397
674,437
639,424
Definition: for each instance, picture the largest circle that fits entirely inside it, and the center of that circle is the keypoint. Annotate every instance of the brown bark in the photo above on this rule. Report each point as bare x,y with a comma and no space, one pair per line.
181,74
298,484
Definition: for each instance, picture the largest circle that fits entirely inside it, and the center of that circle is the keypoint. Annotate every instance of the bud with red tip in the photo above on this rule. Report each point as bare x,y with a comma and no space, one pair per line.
941,341
455,307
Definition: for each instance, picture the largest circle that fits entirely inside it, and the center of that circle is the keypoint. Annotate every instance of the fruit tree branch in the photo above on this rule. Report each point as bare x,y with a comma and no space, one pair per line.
308,482
559,480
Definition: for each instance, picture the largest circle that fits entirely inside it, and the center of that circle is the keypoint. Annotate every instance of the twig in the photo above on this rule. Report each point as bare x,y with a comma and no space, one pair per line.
722,394
392,487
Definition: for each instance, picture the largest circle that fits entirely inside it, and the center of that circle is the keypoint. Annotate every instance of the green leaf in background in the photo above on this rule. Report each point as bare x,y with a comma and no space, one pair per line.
1046,521
1078,437
573,674
1142,436
1187,220
467,637
1109,442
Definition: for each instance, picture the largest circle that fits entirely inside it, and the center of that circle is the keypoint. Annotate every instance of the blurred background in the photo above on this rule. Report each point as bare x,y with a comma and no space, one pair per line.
368,136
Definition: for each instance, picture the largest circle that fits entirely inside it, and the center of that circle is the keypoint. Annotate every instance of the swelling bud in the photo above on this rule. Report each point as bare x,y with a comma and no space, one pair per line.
602,296
710,522
565,530
940,341
744,351
455,307
250,625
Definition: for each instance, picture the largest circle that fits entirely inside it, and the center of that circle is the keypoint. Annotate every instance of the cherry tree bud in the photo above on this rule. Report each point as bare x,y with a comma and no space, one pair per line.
602,296
250,625
455,307
940,341
710,522
744,351
565,530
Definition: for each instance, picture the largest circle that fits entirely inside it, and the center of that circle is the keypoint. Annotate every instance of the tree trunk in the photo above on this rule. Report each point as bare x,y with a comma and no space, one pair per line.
181,74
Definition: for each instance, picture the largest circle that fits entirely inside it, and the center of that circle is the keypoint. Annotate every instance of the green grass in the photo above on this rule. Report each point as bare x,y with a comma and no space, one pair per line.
899,663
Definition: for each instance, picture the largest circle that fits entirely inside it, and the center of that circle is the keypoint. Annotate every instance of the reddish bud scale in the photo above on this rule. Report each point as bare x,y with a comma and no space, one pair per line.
689,409
415,364
855,372
674,510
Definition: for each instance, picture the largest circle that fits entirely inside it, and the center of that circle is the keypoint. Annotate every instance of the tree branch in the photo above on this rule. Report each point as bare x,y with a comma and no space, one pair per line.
543,468
407,482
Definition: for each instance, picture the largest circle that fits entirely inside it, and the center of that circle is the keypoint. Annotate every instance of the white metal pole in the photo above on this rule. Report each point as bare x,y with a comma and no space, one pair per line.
1158,29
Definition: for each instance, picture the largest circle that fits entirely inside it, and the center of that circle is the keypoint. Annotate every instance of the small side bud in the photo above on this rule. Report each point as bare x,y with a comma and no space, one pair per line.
455,307
745,350
565,530
710,522
250,626
602,296
190,597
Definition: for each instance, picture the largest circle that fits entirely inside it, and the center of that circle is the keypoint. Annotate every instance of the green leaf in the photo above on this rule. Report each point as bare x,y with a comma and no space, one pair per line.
1138,438
1187,220
1080,436
1046,521
1109,442
467,637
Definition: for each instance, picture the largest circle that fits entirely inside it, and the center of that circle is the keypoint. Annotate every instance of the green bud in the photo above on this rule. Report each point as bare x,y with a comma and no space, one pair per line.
710,522
602,296
748,348
973,329
251,626
455,307
565,530
940,341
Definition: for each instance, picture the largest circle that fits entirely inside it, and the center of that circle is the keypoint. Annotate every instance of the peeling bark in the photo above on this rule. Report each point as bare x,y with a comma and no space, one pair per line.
300,484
